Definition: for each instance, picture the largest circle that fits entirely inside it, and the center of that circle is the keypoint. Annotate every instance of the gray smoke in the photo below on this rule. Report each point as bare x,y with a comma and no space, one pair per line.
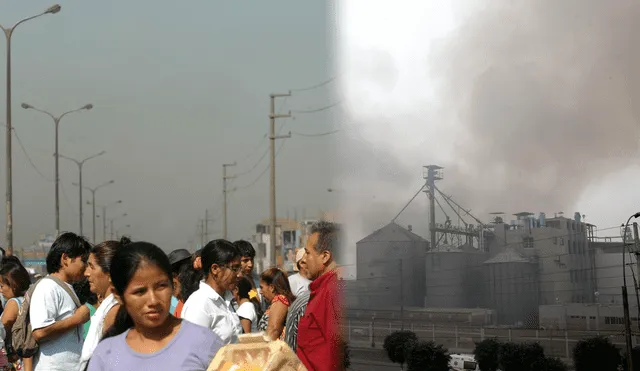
547,94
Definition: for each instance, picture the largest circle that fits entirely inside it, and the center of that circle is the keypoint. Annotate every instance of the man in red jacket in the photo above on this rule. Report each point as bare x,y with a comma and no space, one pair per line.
319,337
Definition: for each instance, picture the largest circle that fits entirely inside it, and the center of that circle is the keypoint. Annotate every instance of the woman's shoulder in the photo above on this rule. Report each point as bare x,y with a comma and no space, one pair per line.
282,299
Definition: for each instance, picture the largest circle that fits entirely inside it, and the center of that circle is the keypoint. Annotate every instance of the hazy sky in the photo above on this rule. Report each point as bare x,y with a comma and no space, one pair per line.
178,89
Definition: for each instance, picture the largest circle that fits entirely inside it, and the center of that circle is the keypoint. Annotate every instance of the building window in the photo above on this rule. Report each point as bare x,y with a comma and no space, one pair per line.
561,241
527,242
613,320
555,240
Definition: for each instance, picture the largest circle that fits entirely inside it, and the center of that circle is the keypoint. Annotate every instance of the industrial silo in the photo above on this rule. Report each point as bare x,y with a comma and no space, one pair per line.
513,289
454,277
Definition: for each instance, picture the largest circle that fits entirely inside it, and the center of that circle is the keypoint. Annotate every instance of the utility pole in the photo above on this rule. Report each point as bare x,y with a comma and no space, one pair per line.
206,225
272,184
111,225
201,233
224,192
627,327
401,294
636,254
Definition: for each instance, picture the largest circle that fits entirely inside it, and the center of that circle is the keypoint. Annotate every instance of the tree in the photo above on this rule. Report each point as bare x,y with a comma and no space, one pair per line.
427,356
346,354
596,354
398,344
520,357
486,354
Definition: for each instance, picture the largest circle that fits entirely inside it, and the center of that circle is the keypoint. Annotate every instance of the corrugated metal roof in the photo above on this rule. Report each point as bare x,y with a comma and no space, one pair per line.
508,256
392,232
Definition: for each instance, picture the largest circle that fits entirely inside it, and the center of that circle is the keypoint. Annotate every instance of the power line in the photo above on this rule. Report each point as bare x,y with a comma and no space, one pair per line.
317,85
261,174
29,157
316,134
317,109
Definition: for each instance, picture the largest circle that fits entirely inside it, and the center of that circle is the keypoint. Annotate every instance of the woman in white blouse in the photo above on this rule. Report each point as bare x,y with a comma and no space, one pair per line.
97,273
210,306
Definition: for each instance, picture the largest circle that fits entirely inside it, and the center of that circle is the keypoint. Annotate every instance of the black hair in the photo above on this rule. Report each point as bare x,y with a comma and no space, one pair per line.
245,248
244,286
220,252
104,252
69,244
83,291
189,280
124,265
15,275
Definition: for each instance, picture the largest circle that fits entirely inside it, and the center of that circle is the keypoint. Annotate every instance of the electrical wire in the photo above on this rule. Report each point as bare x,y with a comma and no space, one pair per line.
261,174
26,154
316,134
317,109
316,85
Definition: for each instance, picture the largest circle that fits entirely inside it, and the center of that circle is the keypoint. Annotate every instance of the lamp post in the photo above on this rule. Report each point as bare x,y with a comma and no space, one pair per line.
93,202
56,121
104,217
8,32
111,224
80,163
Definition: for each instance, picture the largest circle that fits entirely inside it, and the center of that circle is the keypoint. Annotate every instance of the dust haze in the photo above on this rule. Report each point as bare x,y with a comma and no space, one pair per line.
546,94
531,102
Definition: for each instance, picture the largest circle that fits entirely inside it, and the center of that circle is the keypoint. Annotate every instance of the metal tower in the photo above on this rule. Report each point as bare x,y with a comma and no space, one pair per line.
431,173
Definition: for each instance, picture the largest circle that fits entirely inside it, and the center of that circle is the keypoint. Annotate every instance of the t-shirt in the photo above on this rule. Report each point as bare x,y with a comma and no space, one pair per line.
51,303
191,349
298,284
247,310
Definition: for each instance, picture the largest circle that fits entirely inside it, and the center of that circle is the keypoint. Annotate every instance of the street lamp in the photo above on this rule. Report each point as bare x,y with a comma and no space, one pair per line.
80,163
93,202
56,121
8,31
113,220
104,217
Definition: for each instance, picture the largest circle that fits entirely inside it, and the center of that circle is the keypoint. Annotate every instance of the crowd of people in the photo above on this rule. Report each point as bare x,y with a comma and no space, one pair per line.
123,305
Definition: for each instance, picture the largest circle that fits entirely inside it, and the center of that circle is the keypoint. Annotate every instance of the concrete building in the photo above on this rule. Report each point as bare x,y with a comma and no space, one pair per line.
560,248
593,316
390,254
608,262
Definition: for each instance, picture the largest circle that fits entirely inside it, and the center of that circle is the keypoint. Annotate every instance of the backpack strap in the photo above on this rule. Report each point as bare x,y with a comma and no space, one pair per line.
68,290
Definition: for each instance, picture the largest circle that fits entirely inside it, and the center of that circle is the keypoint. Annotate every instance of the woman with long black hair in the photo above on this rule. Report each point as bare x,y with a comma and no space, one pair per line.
145,336
210,306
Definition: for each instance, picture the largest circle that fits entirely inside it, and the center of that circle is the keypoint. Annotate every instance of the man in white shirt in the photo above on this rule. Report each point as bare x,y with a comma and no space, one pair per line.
299,282
55,319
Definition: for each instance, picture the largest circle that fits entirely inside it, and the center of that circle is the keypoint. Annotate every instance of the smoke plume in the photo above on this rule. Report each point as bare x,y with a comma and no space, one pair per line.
545,95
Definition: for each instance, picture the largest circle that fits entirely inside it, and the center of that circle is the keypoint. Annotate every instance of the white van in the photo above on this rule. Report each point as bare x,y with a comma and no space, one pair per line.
463,362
